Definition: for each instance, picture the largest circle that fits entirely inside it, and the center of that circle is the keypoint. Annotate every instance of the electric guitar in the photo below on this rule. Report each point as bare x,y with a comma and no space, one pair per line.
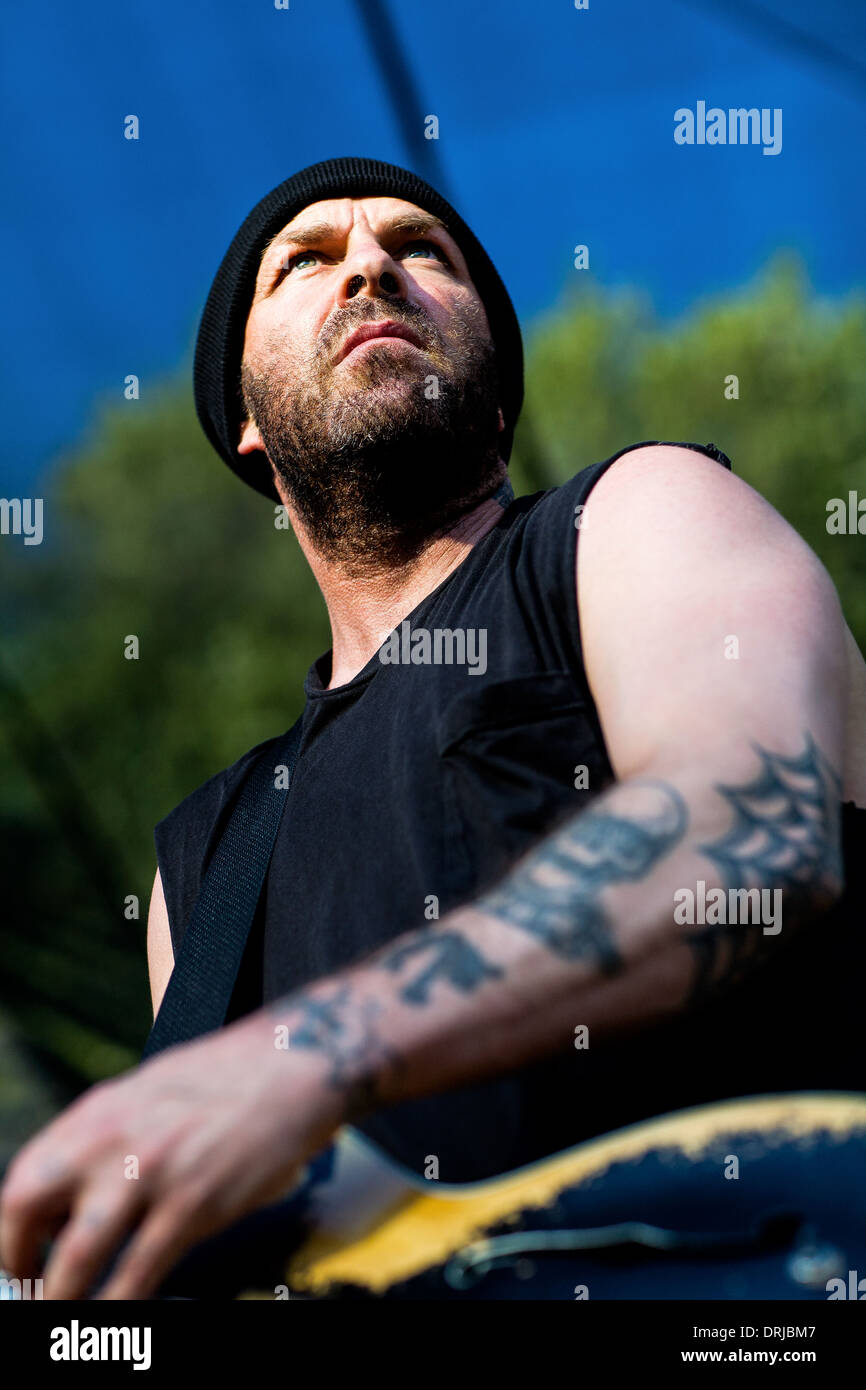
755,1198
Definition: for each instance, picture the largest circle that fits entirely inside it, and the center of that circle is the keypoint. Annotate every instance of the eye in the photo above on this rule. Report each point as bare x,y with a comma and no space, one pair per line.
422,244
285,266
301,256
419,244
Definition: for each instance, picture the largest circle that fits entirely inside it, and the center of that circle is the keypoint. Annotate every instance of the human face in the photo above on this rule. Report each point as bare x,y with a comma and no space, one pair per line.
378,438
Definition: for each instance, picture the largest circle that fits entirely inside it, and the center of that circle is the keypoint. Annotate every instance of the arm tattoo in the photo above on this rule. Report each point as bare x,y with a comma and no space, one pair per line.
786,835
554,893
339,1025
786,832
454,959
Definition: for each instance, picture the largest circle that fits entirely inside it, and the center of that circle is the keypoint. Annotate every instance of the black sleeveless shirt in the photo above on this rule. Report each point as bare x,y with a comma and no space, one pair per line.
417,785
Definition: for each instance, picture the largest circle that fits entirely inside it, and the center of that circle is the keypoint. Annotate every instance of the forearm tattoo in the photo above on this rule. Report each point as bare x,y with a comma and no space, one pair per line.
785,835
452,958
339,1023
554,894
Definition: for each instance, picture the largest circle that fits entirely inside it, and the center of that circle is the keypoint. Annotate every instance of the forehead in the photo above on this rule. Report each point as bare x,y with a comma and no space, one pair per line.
334,219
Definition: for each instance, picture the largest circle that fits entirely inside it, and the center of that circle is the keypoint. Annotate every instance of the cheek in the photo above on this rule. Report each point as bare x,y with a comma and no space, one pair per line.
451,310
277,341
465,321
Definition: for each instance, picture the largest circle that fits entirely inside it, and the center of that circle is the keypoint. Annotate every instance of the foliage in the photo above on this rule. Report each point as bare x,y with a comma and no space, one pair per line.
147,534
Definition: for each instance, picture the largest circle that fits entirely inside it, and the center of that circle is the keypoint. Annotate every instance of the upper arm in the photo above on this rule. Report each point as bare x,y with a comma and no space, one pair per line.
160,956
707,622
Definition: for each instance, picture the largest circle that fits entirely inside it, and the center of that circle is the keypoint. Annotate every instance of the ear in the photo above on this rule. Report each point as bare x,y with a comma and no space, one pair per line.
250,439
501,420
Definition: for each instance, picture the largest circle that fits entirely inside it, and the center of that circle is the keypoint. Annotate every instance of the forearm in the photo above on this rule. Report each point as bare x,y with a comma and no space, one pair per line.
592,929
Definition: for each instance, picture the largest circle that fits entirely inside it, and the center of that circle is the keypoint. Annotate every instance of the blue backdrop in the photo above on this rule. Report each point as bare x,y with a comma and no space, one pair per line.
555,128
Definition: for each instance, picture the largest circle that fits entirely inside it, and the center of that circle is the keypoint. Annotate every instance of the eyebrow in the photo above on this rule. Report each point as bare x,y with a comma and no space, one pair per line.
315,233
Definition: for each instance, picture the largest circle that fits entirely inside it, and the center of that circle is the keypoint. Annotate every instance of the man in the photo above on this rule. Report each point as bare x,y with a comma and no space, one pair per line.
527,767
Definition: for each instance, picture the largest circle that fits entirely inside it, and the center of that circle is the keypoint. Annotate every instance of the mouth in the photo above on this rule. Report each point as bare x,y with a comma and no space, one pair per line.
386,330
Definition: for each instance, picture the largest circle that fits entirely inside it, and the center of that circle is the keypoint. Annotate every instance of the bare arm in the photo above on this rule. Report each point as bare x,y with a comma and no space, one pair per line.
728,754
728,771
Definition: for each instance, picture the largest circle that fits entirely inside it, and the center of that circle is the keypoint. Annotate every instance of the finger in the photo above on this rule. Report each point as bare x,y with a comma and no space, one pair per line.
103,1216
166,1233
34,1202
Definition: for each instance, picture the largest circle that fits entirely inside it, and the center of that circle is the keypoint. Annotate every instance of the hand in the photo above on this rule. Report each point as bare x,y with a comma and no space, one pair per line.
171,1152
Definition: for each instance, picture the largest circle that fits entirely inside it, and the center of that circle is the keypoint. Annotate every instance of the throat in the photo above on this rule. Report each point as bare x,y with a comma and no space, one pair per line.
365,609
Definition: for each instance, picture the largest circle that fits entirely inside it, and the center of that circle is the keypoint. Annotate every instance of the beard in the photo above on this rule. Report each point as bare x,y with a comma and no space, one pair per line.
381,453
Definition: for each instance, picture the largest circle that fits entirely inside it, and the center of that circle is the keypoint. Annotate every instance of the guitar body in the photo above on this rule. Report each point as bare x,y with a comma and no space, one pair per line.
755,1199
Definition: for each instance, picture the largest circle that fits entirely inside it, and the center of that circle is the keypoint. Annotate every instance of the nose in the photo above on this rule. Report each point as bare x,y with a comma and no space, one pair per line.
370,272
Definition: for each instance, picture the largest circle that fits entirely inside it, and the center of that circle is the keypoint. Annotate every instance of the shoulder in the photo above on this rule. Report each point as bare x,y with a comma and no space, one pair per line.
661,469
551,523
666,504
678,553
537,546
571,497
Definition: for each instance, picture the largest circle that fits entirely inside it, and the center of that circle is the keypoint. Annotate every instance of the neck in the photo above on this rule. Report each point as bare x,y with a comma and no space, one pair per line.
364,608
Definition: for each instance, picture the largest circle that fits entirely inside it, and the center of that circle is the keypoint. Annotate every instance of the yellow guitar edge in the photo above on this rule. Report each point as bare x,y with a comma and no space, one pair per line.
429,1229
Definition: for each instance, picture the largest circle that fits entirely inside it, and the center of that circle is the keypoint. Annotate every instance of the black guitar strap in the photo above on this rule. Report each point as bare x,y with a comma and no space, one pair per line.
199,991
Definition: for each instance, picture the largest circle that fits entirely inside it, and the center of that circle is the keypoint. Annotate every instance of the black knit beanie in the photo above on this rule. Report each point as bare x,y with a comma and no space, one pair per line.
219,346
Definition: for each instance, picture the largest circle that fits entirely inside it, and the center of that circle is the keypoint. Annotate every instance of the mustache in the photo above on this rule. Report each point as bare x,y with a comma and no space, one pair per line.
408,315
